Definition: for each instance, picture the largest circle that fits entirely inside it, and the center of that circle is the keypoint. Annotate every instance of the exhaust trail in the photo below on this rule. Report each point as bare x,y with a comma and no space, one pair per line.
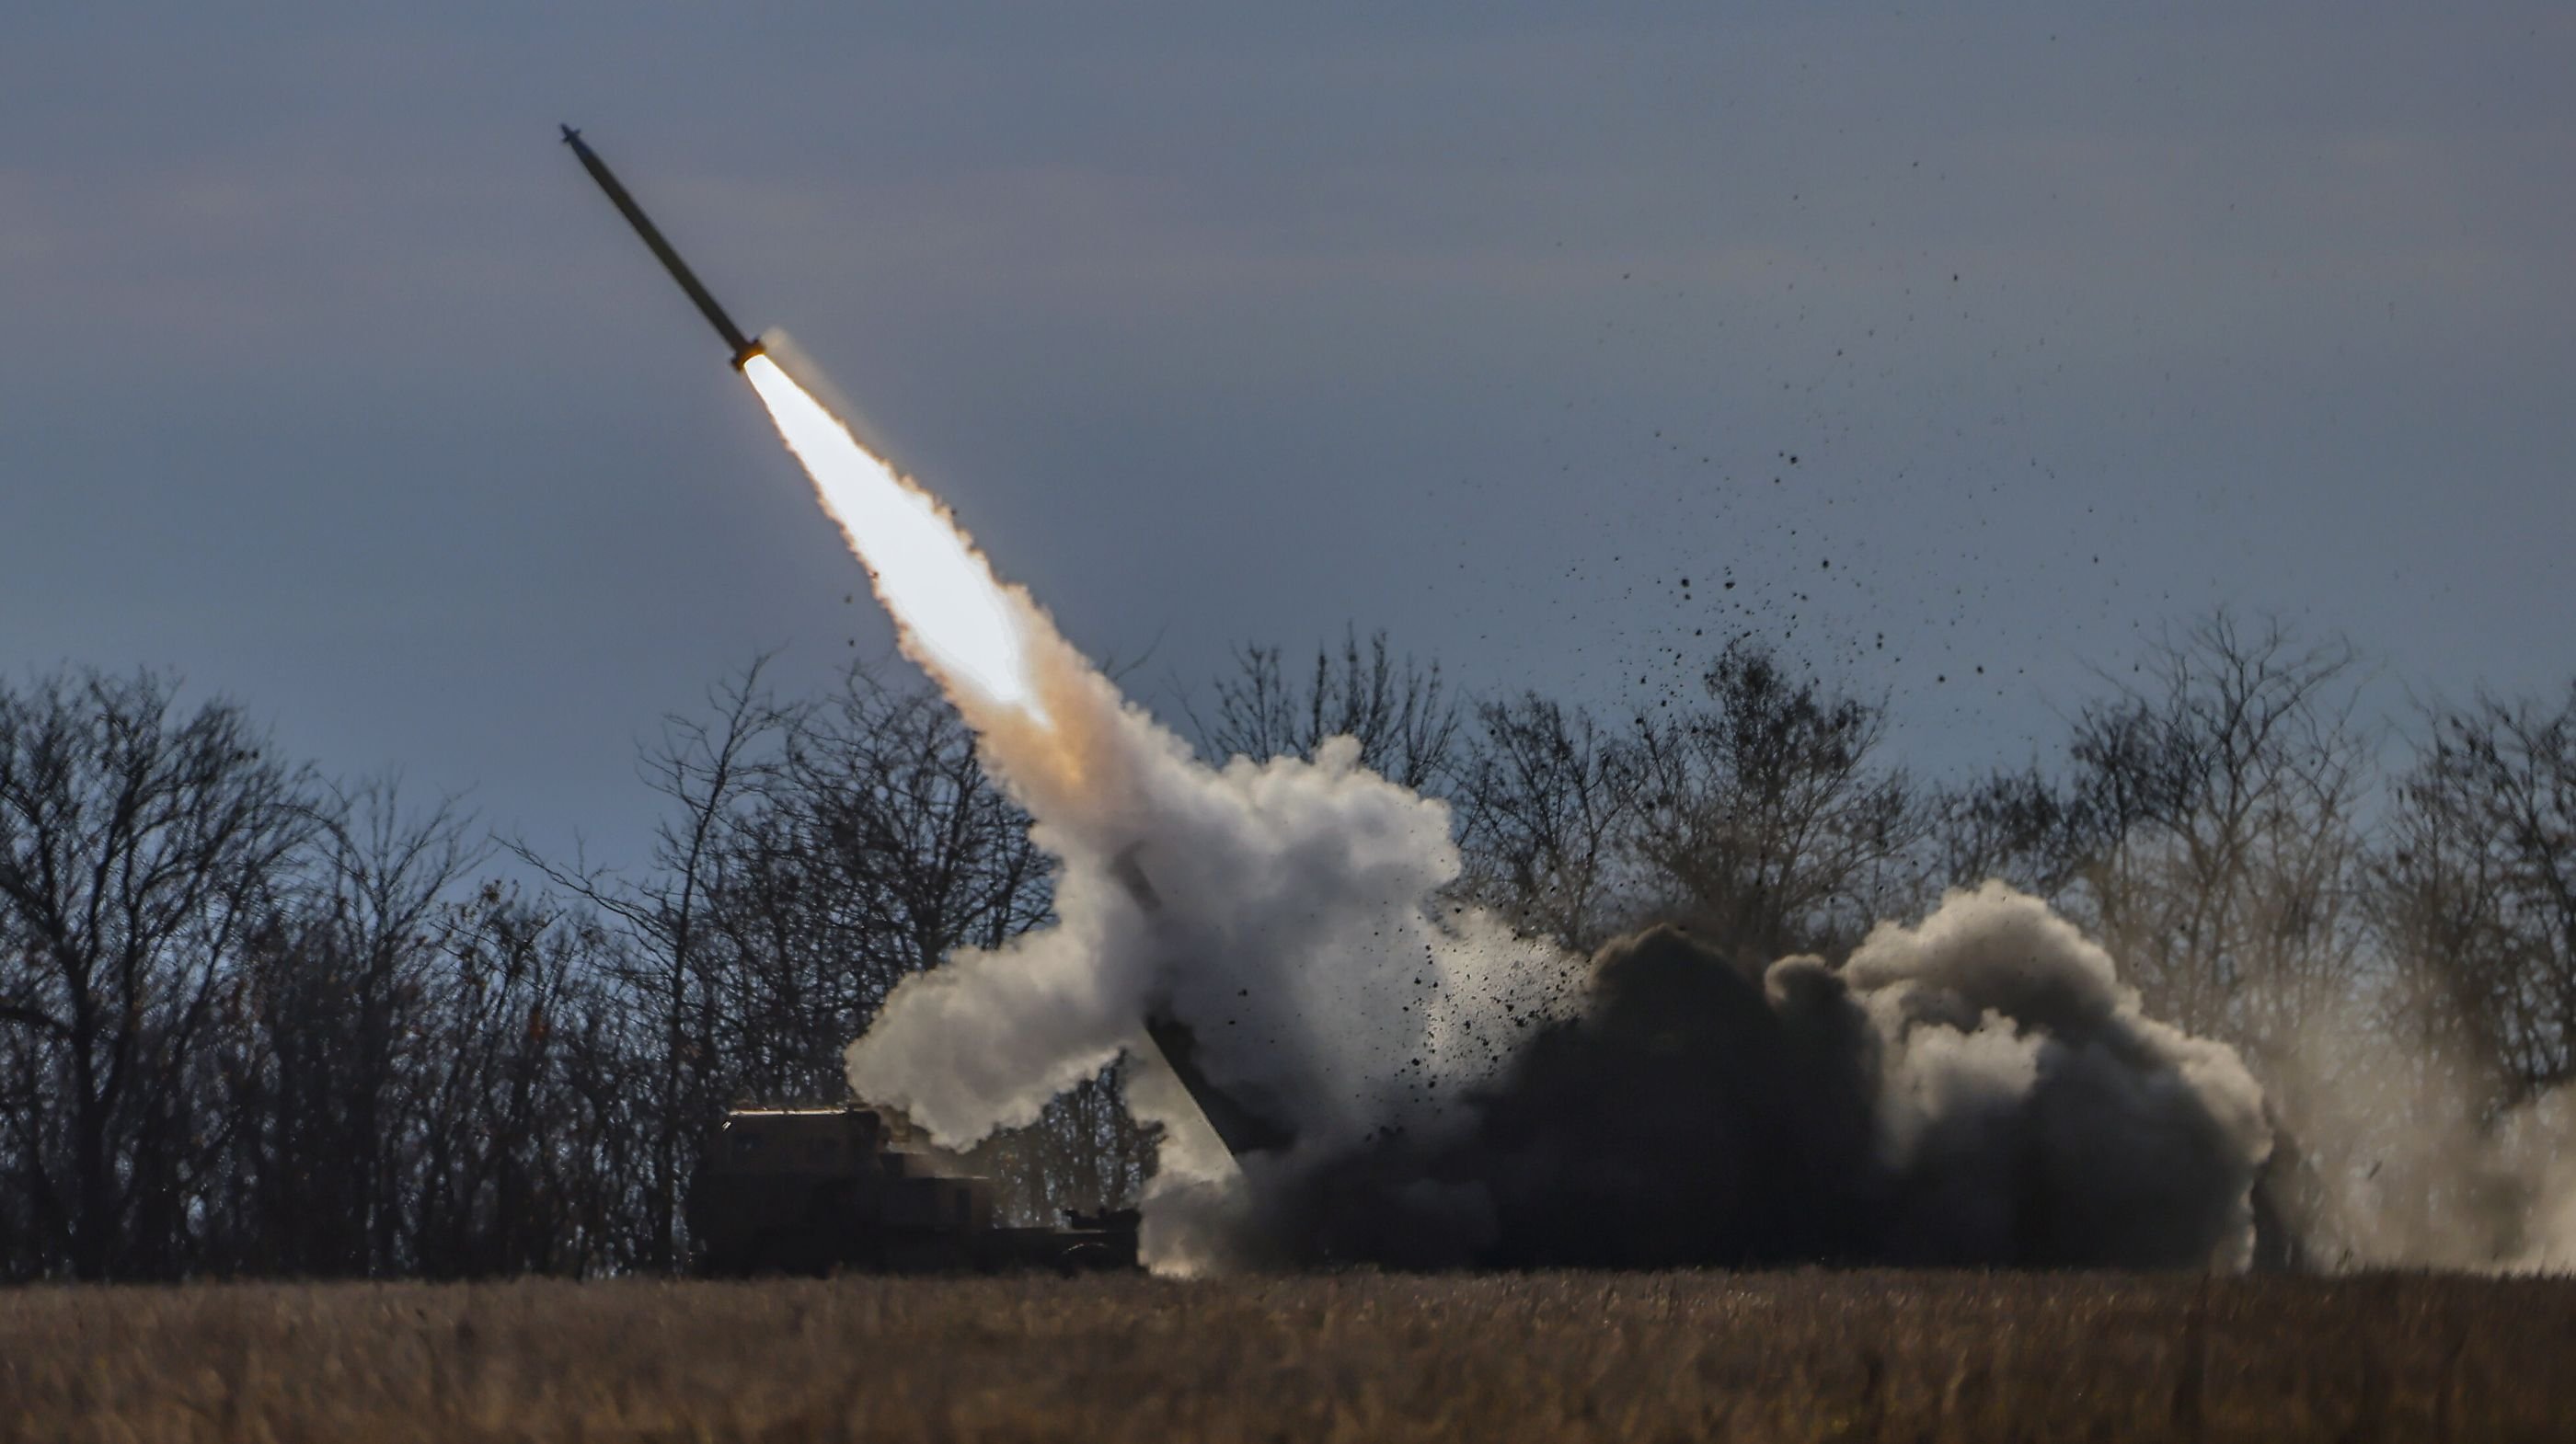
957,619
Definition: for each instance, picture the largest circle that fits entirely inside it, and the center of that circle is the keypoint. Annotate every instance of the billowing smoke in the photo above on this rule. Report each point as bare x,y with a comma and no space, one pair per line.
1976,1090
1285,918
1979,1089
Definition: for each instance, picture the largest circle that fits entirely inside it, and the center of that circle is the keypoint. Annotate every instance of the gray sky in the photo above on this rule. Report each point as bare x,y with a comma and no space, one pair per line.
339,389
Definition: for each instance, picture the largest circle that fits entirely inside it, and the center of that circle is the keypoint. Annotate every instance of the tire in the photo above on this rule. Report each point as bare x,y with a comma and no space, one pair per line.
1085,1258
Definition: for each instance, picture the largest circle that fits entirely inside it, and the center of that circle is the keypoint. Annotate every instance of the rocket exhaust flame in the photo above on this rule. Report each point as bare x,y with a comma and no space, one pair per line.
959,621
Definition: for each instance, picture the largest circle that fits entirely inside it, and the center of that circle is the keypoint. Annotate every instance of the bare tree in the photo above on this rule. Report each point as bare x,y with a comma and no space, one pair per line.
330,1019
878,847
1764,818
140,849
2223,798
250,1023
713,770
1398,710
535,1149
2021,827
2475,888
1545,804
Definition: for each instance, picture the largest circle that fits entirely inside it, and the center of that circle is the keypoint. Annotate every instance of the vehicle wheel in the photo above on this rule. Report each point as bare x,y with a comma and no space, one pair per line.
1085,1258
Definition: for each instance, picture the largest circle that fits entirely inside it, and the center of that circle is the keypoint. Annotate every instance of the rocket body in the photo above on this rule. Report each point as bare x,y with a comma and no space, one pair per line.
740,346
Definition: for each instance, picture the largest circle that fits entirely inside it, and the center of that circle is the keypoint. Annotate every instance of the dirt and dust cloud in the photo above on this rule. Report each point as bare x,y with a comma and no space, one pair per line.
1977,1089
2397,1156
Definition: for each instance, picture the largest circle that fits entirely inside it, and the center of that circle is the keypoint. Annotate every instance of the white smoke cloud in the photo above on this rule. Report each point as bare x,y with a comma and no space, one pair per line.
1298,933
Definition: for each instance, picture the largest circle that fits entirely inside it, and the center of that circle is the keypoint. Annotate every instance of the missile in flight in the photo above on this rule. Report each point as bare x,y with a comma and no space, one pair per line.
742,347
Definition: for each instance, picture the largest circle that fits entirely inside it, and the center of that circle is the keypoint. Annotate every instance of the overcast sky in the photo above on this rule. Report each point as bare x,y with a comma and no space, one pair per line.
1957,336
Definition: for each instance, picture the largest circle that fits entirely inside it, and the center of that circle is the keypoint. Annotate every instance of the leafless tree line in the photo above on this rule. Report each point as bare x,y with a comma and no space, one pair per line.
2380,917
252,1021
255,1023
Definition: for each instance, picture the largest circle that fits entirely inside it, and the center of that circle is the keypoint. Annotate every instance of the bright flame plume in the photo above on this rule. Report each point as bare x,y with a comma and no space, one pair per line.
941,591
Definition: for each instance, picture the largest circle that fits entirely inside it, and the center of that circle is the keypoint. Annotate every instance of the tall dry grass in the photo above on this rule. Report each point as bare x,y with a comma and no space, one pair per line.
1793,1356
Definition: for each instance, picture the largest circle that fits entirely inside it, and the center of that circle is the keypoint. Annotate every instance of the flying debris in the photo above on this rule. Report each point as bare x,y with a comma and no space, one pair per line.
742,347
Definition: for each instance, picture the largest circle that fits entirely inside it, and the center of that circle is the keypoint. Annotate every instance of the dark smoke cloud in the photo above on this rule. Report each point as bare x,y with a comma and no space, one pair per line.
1976,1090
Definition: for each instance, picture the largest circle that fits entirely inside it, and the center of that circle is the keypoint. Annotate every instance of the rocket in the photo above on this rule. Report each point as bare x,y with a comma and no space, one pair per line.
742,347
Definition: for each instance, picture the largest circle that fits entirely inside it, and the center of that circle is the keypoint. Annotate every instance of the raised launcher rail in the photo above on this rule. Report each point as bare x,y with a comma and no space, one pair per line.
1245,1122
817,1190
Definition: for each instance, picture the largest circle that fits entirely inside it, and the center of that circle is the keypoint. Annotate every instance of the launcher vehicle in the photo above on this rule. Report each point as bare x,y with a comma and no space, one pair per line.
814,1190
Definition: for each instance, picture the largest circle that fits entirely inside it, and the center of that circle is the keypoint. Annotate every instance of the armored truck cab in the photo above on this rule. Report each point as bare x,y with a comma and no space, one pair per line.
814,1190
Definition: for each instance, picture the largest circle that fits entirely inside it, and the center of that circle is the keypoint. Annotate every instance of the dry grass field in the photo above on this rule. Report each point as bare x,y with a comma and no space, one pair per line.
1815,1355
